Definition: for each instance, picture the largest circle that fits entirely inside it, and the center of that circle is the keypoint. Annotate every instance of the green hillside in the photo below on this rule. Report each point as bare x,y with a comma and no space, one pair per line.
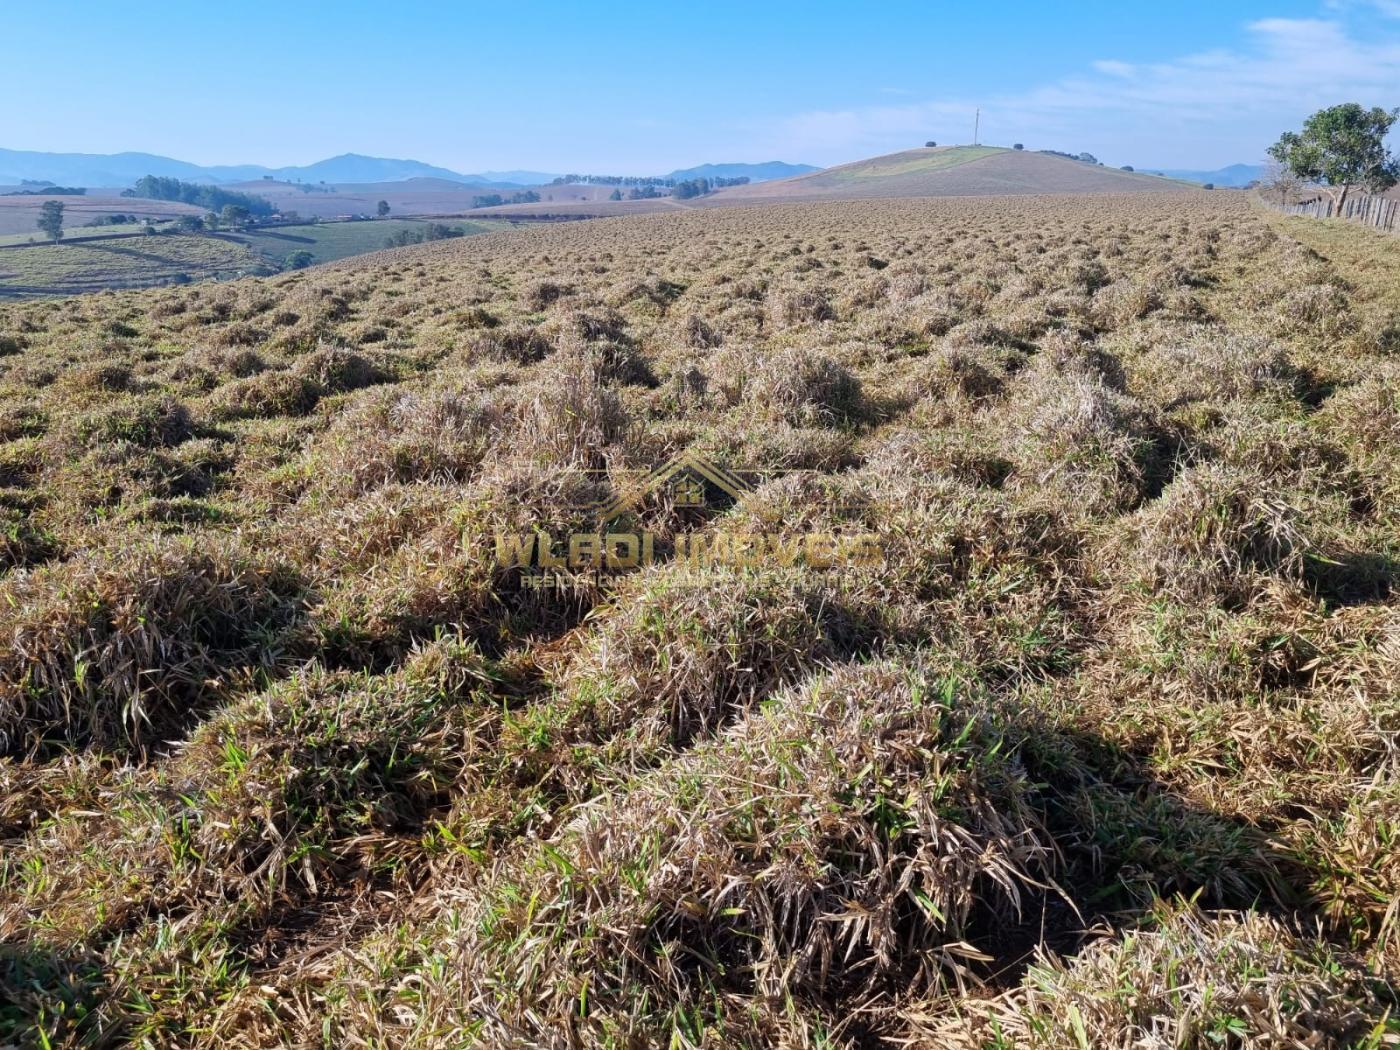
910,162
329,241
952,171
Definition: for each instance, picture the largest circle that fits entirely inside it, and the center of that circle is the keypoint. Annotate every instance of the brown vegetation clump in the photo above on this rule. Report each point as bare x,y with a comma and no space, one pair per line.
440,436
576,419
683,650
1212,530
264,396
117,647
1204,364
801,388
788,307
1081,436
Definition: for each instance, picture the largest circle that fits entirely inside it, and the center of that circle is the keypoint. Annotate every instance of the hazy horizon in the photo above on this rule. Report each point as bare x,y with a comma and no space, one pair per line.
1198,88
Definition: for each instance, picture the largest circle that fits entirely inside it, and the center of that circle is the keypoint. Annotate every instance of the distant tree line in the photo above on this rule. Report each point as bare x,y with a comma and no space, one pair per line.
1087,158
687,188
212,198
613,180
117,219
433,231
50,191
495,200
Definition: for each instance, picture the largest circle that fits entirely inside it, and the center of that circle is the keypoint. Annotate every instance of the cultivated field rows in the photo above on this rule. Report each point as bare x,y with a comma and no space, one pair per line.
1101,751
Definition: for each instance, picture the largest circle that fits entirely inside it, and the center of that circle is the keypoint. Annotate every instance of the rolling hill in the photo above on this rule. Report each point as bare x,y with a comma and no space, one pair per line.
949,171
944,171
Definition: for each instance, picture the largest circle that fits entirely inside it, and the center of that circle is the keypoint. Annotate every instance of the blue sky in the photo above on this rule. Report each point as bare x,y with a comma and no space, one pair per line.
638,88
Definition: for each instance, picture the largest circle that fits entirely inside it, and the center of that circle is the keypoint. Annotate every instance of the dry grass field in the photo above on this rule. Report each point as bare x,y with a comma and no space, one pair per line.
122,262
1100,751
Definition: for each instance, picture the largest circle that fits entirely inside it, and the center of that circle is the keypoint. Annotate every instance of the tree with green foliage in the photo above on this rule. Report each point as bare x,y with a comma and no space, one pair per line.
51,220
615,195
1341,148
299,260
234,215
152,187
382,209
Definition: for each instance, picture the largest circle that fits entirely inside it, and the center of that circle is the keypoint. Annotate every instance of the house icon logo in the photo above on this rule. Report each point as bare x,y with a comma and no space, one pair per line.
689,480
686,483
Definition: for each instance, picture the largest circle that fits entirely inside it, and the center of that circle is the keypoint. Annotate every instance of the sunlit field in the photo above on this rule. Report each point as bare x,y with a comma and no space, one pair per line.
1100,751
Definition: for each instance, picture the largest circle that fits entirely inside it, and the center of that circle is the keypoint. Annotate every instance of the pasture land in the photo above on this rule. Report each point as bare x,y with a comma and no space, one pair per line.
125,262
910,162
329,241
19,215
1095,745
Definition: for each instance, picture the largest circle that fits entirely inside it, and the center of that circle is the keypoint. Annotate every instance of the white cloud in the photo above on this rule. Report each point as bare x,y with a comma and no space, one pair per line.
1209,107
1114,68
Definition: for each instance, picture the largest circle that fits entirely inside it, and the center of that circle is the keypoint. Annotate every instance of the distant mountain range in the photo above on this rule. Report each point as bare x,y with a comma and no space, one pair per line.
773,169
123,169
1234,175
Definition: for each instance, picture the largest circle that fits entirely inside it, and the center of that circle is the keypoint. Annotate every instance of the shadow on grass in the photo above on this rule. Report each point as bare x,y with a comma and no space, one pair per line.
1352,577
52,998
132,253
288,237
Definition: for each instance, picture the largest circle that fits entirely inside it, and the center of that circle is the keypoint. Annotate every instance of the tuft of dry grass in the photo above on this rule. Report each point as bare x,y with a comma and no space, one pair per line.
120,647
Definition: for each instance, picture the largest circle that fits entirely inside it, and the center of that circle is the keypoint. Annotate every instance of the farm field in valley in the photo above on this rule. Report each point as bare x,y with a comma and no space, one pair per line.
49,269
329,241
1101,738
138,261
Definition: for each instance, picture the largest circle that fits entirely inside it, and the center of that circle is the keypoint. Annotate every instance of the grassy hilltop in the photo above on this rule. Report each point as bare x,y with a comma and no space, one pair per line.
953,171
1099,752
